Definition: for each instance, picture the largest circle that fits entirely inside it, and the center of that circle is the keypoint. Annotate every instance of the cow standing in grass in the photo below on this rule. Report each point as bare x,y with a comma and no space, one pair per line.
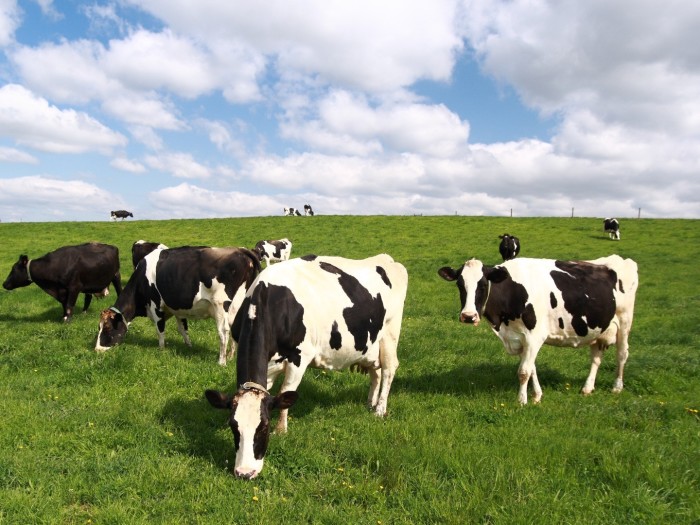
509,248
323,312
67,272
612,228
273,251
531,302
185,283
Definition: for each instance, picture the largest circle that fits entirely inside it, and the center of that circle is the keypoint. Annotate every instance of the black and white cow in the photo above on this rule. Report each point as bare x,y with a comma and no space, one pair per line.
292,212
323,312
120,214
531,302
308,211
509,247
141,248
273,251
67,272
612,228
187,283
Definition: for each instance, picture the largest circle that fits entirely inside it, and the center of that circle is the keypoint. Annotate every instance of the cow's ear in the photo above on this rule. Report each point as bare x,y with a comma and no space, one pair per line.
495,274
284,400
23,259
447,273
218,399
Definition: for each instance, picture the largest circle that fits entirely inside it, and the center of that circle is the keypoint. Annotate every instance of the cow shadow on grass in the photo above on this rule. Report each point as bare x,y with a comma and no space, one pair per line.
50,314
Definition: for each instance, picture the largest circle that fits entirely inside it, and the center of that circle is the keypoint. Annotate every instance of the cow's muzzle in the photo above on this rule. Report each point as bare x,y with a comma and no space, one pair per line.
469,318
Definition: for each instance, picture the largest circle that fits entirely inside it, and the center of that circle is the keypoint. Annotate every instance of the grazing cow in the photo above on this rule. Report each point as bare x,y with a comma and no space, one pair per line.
187,283
120,214
308,211
612,228
140,249
531,302
273,251
509,247
69,271
324,312
292,212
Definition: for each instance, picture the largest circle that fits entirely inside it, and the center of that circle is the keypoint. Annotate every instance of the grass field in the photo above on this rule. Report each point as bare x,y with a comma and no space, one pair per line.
127,436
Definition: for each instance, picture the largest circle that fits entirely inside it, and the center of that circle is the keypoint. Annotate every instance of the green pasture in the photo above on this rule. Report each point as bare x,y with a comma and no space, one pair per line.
127,436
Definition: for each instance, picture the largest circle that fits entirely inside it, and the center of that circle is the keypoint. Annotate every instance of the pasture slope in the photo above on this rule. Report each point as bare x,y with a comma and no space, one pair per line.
127,437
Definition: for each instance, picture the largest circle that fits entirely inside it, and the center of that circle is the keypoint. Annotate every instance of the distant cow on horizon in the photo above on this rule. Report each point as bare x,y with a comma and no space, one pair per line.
612,228
509,247
120,214
289,212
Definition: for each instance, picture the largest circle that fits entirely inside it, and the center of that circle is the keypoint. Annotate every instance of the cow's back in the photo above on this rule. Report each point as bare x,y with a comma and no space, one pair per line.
90,262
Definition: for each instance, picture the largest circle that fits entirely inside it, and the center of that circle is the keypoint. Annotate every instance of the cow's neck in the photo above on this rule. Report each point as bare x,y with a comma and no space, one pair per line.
126,303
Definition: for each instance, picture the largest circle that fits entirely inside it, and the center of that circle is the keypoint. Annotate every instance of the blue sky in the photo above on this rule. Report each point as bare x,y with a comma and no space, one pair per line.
174,108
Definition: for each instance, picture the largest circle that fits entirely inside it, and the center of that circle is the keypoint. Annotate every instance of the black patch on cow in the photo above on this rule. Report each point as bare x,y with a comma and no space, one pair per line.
561,323
508,302
262,432
588,293
336,341
552,300
619,284
309,257
382,273
365,317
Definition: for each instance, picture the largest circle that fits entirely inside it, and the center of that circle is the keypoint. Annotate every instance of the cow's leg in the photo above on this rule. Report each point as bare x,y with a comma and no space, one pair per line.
526,370
86,303
292,378
536,388
224,330
182,328
71,297
160,328
375,378
389,361
596,358
117,283
622,353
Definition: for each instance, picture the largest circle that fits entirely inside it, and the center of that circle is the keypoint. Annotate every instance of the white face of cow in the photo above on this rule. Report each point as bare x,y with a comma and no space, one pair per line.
249,423
471,277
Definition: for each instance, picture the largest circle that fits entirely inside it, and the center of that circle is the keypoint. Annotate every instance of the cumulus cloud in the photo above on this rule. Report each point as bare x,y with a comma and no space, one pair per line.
32,121
180,165
9,21
18,156
124,164
38,198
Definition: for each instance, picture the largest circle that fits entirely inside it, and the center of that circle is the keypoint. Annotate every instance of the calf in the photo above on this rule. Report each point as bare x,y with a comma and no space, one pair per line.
509,247
612,228
273,251
69,271
531,302
324,312
187,283
141,248
120,214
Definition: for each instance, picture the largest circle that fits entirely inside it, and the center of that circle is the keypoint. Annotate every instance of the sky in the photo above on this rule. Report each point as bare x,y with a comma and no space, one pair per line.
237,108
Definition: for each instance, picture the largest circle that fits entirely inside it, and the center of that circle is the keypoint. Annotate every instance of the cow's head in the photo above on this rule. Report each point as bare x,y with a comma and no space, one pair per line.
474,282
19,274
112,329
250,423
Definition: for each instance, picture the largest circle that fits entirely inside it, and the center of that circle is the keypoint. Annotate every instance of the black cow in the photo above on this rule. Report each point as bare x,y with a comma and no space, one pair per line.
190,282
531,302
140,249
612,228
509,247
120,214
308,211
69,271
323,312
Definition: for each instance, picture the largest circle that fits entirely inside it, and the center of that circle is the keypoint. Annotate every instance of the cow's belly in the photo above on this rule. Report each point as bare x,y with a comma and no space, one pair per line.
200,310
329,358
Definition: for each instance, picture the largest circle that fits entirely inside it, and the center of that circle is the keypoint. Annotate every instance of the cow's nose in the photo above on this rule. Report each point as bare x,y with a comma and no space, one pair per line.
245,473
469,318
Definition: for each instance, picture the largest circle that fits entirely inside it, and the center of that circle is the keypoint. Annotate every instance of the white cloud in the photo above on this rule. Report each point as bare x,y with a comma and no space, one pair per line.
15,155
124,164
181,165
9,21
39,198
32,121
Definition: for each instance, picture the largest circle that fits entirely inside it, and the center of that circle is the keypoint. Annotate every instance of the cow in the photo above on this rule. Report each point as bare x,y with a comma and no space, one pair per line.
67,272
612,228
273,251
531,302
308,211
190,282
509,247
141,248
120,214
324,312
292,212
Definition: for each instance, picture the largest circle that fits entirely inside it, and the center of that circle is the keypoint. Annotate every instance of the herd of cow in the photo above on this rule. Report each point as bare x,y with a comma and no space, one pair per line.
334,313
